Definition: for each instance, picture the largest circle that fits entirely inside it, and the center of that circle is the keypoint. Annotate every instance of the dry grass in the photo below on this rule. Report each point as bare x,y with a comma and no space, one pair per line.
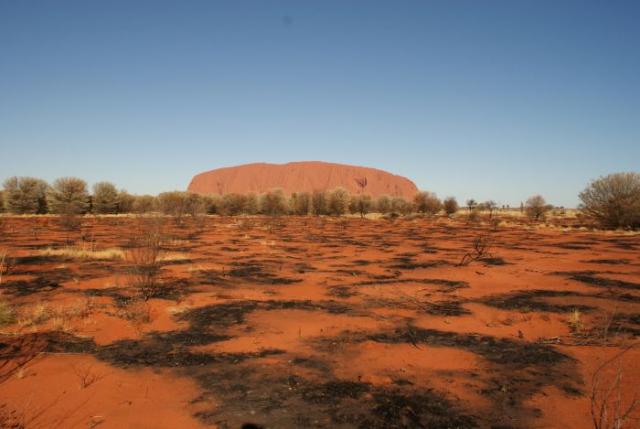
76,252
7,315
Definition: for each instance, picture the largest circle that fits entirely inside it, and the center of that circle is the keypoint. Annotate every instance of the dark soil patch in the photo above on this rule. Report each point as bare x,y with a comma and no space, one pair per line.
589,277
526,301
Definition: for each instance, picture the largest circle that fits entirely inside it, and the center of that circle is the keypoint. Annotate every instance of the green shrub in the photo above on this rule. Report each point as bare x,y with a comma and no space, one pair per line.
613,201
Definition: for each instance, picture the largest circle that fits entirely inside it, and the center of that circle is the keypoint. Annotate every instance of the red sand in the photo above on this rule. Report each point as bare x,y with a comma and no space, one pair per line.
301,177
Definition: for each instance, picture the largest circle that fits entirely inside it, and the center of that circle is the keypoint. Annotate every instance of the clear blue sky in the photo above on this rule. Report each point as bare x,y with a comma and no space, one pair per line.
484,99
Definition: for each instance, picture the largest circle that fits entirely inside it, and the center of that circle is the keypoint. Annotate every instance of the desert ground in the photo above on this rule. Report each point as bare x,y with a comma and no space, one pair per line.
303,322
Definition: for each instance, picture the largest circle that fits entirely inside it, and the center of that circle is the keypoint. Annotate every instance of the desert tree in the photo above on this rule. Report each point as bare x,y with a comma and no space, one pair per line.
144,204
338,202
25,195
427,203
383,204
401,206
125,202
300,203
535,207
613,201
489,206
251,204
450,205
274,203
233,204
68,196
471,204
104,198
361,204
319,204
173,204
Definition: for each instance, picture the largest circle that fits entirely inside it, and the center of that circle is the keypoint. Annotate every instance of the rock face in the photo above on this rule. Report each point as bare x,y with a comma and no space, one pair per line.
305,176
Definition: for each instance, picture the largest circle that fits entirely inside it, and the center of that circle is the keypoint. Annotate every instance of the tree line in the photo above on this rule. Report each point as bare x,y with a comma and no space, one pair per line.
612,201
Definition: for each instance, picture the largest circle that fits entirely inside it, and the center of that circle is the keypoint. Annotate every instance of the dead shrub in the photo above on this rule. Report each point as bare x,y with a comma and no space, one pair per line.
427,203
480,249
144,258
450,205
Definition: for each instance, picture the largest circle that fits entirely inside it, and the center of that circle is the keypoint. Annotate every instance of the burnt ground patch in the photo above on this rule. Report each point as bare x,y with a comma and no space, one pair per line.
592,278
516,369
608,261
409,263
291,401
29,287
533,300
446,285
255,273
444,308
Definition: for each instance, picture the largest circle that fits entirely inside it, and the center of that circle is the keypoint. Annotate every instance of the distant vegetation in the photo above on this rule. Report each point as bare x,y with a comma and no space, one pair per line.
612,201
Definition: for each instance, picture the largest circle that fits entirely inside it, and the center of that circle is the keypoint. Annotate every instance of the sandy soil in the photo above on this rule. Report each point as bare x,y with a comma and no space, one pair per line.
318,322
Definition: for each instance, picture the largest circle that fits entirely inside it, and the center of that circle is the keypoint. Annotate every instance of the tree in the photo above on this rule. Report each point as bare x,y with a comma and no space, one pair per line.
68,196
361,204
471,204
125,202
402,206
536,207
319,204
450,205
233,204
25,195
144,204
300,203
383,204
613,201
105,198
251,204
338,202
489,206
173,204
427,203
273,203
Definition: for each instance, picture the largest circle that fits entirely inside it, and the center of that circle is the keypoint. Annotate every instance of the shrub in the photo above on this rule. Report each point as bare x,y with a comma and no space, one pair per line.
251,204
401,206
2,201
195,205
300,203
125,202
427,203
213,204
319,204
144,204
233,204
273,203
536,207
383,204
338,202
105,198
613,201
68,196
361,204
173,204
144,257
7,315
489,206
450,205
25,195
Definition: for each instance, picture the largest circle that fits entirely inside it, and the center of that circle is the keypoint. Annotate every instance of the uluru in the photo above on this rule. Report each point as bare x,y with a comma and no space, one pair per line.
305,176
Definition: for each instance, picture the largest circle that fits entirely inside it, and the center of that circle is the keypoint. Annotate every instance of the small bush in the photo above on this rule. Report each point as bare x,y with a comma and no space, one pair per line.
338,202
300,203
383,204
251,204
173,204
233,204
144,204
361,204
401,206
7,315
319,204
125,202
68,196
274,203
489,206
613,201
450,206
536,207
427,203
144,257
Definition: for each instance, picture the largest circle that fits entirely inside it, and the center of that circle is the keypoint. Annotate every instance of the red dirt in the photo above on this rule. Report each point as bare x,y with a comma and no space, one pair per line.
301,177
318,322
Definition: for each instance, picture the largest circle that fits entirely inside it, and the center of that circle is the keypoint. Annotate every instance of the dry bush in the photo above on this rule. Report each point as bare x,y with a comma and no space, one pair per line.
361,204
105,198
300,203
25,195
86,375
401,206
145,256
450,205
480,249
471,205
7,314
338,202
68,196
613,201
125,202
233,204
489,206
173,204
383,204
145,204
274,203
427,203
609,410
536,207
319,203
